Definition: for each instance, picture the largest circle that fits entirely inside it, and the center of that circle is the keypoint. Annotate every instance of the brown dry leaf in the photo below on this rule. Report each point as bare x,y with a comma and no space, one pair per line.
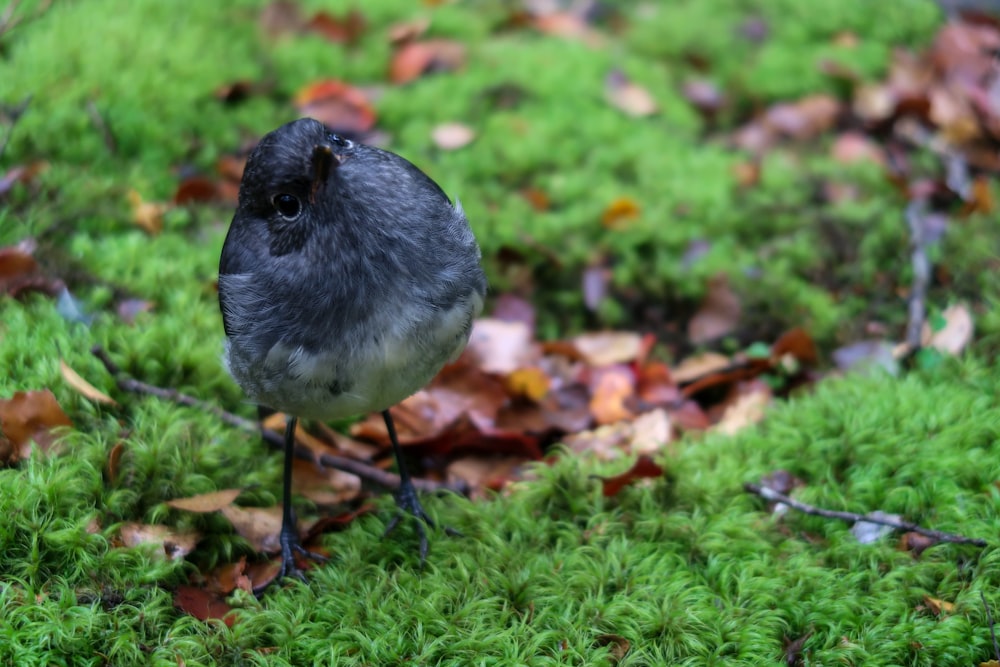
939,607
568,25
644,468
31,416
956,333
83,387
324,486
796,343
619,212
206,502
260,526
16,264
346,29
612,388
202,604
338,105
804,119
452,136
281,17
854,147
113,466
604,348
537,197
147,215
651,431
530,382
414,59
915,543
502,347
627,96
656,385
747,410
226,578
173,544
719,313
698,366
746,173
482,473
705,96
619,646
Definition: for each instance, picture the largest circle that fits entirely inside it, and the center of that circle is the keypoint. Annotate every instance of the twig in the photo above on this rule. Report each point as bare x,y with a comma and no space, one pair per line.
993,633
916,212
97,118
15,115
899,524
365,471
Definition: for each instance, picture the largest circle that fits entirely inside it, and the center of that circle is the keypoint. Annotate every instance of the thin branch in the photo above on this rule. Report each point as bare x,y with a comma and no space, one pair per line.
363,470
916,213
993,633
899,524
15,115
97,118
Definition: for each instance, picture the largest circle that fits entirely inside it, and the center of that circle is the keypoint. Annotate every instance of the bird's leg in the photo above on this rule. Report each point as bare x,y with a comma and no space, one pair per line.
406,495
289,536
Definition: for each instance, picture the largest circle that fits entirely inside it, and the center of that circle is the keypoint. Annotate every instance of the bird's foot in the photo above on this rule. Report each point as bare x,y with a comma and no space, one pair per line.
289,548
408,503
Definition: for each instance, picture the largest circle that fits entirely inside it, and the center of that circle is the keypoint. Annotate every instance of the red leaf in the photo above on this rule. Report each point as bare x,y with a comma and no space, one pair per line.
414,59
644,468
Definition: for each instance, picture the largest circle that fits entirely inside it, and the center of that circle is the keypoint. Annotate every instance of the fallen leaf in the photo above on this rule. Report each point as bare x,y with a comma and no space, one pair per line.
644,468
939,607
719,313
83,387
281,17
202,604
954,335
31,416
705,96
619,212
20,274
867,532
414,59
171,543
339,106
501,347
798,344
195,189
855,147
452,136
226,578
604,348
747,410
627,96
260,526
916,543
618,646
324,486
805,118
482,473
409,30
530,382
650,432
114,462
346,29
147,215
698,366
206,502
613,388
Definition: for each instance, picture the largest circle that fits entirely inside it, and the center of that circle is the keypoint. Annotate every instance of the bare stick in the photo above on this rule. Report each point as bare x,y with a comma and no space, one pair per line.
363,470
97,118
899,524
993,633
916,213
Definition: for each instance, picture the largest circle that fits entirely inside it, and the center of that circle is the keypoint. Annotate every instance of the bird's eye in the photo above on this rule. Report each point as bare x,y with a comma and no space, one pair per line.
287,206
340,141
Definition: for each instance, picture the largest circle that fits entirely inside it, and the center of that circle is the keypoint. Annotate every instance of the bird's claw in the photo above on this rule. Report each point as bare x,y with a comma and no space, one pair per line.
408,503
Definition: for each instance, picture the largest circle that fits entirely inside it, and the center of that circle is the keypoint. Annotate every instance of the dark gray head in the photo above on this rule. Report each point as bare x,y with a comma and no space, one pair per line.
301,178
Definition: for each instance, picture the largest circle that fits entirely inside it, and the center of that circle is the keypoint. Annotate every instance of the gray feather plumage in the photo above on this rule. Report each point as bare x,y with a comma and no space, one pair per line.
357,302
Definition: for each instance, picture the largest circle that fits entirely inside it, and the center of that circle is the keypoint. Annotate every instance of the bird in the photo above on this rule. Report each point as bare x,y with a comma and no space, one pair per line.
347,280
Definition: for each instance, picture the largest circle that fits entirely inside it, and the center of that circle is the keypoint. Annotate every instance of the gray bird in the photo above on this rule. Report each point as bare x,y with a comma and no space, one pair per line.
347,280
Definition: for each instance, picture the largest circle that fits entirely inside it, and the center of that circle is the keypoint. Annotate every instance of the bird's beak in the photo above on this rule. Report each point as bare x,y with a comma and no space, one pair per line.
323,161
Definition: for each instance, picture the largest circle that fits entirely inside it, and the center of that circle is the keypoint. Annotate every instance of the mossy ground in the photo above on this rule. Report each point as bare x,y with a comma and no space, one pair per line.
689,570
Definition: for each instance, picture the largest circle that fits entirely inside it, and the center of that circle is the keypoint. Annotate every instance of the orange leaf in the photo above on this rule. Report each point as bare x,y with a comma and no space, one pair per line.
530,382
620,211
338,105
203,605
614,386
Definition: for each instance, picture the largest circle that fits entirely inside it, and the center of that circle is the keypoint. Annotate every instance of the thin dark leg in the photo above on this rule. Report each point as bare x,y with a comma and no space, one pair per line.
289,537
406,495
